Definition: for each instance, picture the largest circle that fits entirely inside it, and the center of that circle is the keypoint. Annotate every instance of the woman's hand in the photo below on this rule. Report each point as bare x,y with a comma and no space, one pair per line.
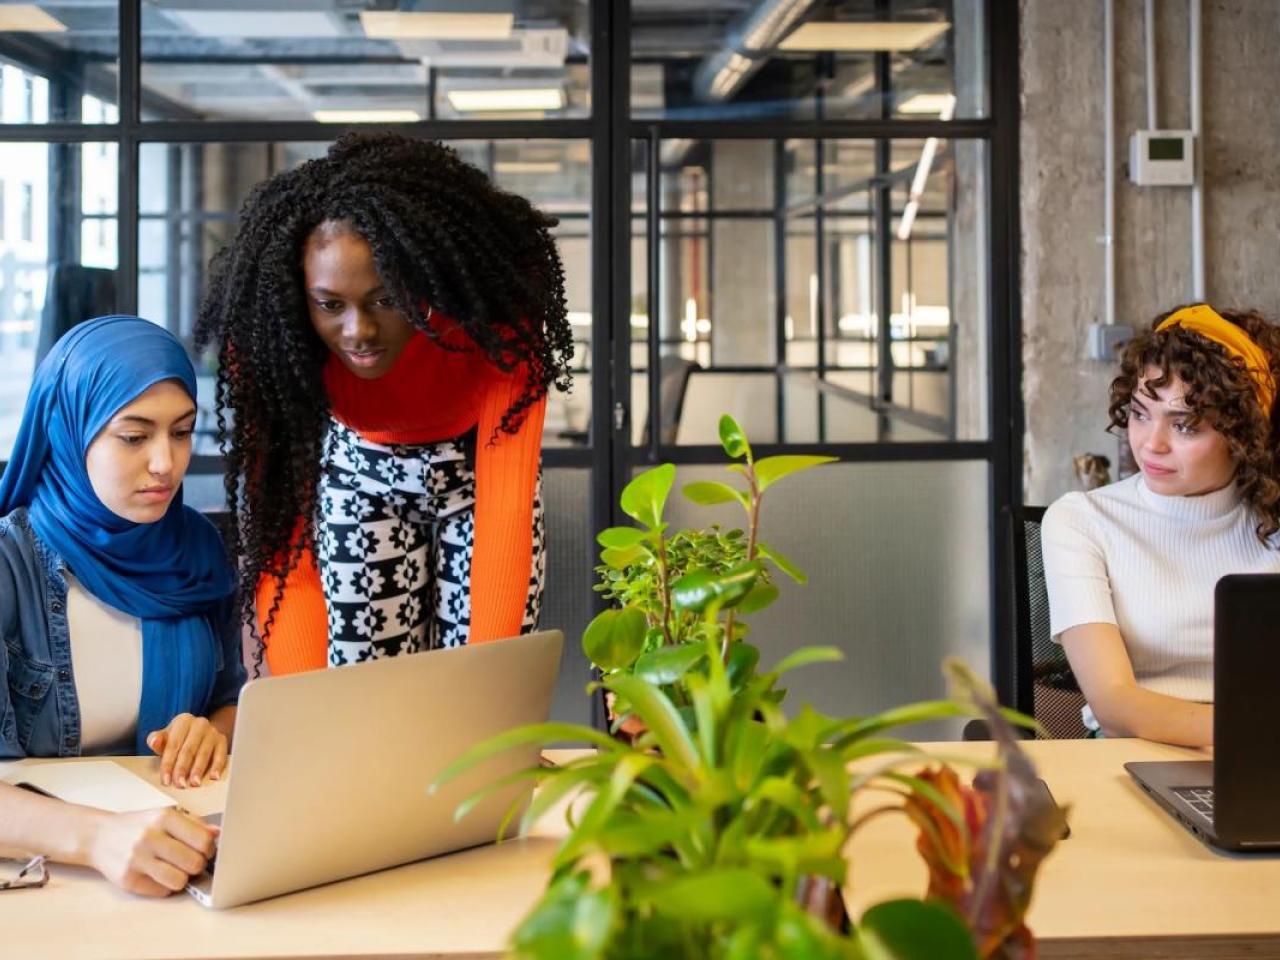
152,853
190,749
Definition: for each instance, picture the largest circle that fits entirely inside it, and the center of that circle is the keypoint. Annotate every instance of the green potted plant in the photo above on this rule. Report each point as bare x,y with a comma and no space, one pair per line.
718,828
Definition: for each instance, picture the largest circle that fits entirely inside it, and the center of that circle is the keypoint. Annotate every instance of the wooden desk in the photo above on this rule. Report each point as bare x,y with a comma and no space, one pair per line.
462,905
1129,882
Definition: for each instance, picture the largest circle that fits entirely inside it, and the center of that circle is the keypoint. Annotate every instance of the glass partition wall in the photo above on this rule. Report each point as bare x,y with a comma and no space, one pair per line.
795,211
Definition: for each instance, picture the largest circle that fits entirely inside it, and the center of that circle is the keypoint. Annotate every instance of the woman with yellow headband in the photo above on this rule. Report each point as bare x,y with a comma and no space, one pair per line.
1131,567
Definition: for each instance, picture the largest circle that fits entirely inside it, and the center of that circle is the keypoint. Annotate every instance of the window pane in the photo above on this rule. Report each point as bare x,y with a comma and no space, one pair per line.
883,332
58,256
59,62
227,59
190,194
801,59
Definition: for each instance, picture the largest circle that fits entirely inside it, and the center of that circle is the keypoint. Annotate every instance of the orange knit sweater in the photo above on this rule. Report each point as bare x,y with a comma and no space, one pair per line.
432,394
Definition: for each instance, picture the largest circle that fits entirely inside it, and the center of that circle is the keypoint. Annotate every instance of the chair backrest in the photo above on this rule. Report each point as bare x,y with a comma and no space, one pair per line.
674,371
75,293
1045,686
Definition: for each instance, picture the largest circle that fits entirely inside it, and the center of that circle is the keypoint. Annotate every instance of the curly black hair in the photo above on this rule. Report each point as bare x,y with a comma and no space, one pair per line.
1220,392
443,237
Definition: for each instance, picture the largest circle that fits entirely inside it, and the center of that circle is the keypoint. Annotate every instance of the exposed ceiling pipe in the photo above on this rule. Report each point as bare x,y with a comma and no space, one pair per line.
747,45
1197,139
1109,161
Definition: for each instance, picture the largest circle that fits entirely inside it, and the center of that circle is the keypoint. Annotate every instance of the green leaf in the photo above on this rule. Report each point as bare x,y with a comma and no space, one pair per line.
668,664
805,656
483,794
540,733
615,638
570,922
708,493
805,730
645,833
696,590
832,776
782,563
759,597
629,766
659,714
619,558
914,930
785,795
718,894
562,782
772,469
705,713
733,439
621,538
855,728
645,496
742,660
816,852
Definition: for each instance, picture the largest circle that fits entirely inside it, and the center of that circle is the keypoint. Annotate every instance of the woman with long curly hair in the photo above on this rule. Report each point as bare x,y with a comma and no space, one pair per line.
387,324
1131,567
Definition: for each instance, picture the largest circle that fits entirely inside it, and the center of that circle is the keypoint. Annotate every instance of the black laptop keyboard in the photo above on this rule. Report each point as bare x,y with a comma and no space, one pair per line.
1199,799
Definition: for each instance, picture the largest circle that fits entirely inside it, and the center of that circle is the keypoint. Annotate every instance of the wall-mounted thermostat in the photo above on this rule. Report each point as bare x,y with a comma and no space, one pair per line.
1162,158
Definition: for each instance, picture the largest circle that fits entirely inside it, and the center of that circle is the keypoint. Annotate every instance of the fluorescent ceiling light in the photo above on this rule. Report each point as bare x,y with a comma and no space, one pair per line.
921,179
28,18
894,35
257,24
394,25
367,116
526,166
511,100
928,103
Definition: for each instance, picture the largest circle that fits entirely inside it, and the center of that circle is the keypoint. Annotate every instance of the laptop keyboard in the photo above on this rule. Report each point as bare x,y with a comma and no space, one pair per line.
1199,799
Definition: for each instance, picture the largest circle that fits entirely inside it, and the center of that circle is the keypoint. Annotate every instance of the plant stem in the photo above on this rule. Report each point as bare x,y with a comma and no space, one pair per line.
753,530
666,590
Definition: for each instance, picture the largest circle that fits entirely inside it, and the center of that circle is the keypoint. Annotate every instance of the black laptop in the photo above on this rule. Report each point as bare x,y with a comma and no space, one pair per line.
1233,801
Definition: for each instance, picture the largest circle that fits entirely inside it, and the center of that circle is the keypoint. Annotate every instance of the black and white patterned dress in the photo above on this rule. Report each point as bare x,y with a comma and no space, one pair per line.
394,543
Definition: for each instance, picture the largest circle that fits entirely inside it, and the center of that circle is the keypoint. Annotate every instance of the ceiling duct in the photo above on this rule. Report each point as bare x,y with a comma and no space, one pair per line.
749,42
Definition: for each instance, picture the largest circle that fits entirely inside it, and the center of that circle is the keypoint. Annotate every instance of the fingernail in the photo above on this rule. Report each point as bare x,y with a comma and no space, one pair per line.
195,781
182,781
215,776
165,780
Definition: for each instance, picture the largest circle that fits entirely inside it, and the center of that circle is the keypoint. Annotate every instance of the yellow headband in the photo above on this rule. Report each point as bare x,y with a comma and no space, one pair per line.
1204,320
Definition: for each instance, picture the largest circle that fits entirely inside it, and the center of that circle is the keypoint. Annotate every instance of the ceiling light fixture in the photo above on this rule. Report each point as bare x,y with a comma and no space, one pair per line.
922,175
367,116
894,36
506,100
395,25
28,18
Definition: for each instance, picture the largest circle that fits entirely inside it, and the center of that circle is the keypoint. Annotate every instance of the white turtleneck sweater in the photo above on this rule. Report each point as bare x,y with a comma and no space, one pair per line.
1148,563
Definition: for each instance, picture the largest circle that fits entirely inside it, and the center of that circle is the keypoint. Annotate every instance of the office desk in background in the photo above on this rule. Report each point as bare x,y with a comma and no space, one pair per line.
1129,882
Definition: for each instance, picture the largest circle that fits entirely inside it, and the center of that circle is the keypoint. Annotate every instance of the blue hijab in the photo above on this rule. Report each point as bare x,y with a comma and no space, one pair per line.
171,574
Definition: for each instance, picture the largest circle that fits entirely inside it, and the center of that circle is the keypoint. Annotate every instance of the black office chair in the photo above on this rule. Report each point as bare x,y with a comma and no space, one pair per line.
1045,686
75,293
674,371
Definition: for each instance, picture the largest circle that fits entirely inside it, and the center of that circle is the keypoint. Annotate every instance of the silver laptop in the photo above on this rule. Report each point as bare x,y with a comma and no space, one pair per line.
330,769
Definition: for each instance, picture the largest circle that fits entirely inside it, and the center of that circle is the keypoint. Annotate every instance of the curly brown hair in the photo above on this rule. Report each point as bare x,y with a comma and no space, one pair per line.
1221,393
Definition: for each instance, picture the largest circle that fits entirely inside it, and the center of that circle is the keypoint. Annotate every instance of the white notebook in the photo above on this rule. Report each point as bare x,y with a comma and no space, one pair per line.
93,783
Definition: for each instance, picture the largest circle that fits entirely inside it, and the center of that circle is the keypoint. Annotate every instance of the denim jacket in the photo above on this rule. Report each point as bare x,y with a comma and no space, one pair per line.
39,709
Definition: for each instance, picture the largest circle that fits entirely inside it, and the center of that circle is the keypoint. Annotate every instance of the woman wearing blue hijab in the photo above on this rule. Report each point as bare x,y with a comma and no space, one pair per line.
117,604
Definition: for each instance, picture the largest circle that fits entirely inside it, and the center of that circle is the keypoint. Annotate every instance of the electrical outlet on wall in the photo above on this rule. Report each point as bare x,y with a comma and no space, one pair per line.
1106,340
